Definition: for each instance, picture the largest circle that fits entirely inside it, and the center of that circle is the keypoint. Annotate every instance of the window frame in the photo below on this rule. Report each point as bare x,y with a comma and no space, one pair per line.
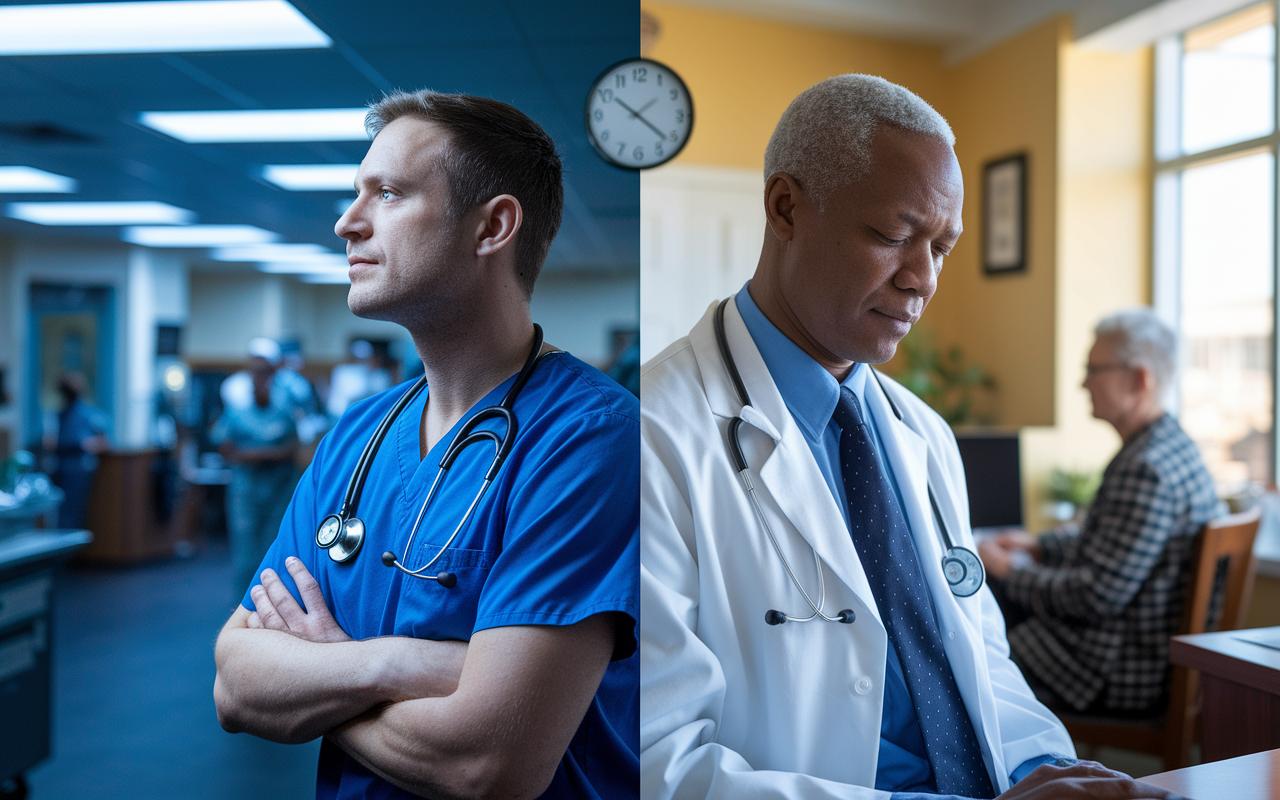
1168,163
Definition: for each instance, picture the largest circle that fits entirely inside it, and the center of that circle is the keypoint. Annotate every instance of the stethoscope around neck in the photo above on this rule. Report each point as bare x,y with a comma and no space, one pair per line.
960,565
343,533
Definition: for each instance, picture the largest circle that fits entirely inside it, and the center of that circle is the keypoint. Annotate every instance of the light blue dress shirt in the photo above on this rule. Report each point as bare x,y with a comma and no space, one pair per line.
811,394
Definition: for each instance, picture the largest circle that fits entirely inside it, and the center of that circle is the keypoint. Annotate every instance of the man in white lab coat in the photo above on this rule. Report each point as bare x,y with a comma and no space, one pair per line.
800,638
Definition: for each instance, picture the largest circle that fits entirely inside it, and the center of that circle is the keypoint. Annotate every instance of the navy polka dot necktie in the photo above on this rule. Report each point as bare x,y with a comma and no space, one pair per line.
883,542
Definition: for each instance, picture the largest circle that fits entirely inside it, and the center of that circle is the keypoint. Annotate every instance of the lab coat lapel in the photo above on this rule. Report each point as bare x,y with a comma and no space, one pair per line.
788,475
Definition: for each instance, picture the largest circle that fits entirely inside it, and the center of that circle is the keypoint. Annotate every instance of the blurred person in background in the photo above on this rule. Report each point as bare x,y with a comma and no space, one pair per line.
289,388
258,440
1091,611
80,436
350,383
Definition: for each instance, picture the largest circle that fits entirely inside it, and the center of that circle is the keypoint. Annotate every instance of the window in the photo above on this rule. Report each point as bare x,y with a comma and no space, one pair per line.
1215,226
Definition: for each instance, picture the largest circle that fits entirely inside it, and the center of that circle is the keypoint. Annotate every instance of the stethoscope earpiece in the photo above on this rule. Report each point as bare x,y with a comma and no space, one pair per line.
775,617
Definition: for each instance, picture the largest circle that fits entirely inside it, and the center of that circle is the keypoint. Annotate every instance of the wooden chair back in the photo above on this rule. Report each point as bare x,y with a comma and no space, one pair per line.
1222,559
1222,570
1217,598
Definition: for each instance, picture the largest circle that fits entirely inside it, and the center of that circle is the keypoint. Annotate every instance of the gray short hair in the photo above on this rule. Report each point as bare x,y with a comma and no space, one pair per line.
823,139
1143,340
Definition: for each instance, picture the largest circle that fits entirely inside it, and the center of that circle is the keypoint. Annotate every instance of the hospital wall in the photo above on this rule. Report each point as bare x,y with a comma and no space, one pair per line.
577,311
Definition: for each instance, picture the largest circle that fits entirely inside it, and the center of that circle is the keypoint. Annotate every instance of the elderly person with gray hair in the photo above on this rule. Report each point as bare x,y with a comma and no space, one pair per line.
804,634
1090,617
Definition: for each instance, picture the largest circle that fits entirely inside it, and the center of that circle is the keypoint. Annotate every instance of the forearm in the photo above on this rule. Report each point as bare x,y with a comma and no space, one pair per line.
415,745
286,689
523,693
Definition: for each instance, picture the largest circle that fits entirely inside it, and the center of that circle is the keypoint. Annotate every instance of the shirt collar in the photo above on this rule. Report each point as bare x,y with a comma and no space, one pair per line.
810,392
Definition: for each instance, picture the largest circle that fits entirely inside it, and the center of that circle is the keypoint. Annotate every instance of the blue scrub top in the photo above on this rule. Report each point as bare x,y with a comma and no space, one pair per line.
554,541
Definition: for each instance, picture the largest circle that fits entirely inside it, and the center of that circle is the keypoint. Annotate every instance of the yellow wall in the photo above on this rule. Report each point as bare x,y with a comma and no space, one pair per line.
1103,250
1000,103
743,72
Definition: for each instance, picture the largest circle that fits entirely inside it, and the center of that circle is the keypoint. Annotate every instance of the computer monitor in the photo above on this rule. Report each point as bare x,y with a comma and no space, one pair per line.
993,471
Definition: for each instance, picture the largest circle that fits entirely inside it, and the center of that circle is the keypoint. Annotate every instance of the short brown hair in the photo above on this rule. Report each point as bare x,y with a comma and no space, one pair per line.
493,149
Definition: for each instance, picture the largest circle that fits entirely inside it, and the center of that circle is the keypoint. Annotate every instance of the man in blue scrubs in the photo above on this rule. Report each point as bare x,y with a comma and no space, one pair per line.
517,678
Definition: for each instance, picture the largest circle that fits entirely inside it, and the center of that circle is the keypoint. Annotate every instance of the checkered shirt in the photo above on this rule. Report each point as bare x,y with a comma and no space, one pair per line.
1106,599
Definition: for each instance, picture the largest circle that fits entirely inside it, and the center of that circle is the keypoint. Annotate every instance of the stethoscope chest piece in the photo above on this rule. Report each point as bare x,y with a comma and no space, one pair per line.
963,571
341,537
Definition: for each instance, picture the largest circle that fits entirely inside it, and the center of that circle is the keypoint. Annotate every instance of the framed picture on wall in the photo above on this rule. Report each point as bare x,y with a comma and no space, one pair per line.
1004,215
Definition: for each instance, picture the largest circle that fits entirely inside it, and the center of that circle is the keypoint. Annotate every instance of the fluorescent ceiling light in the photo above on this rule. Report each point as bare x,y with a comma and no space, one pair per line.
290,125
272,252
333,263
155,27
100,213
312,177
30,179
198,236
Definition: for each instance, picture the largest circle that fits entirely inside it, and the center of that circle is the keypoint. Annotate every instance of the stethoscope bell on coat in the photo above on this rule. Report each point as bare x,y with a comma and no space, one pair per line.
963,571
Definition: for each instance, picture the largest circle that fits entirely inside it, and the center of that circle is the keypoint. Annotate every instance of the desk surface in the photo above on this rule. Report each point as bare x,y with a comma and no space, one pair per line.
1224,655
1252,777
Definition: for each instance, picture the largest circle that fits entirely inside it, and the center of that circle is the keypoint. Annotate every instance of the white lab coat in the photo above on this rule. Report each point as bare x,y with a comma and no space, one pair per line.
733,708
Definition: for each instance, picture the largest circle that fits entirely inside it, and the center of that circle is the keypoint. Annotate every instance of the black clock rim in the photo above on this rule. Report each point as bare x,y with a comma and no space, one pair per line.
586,114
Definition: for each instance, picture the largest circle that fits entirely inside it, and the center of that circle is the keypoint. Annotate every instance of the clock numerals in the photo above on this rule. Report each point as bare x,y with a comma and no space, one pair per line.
643,101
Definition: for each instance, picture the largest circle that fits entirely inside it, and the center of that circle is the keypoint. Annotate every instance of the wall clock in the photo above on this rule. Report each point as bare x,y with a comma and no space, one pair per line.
639,114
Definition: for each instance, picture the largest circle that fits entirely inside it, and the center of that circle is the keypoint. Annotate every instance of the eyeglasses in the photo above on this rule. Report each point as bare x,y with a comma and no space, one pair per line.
1094,369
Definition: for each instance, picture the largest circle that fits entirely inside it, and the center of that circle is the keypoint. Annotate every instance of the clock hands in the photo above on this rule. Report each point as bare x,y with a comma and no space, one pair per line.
636,114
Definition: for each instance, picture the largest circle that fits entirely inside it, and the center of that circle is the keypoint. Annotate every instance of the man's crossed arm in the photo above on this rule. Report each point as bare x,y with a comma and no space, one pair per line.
440,719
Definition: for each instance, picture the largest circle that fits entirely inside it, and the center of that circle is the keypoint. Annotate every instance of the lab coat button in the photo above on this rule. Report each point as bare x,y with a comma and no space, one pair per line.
862,686
952,634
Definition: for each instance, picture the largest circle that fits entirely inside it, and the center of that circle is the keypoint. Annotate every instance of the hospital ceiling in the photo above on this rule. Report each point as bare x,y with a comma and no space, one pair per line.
77,115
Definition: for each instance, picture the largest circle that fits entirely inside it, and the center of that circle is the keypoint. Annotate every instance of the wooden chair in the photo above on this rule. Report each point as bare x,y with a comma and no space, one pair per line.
1222,559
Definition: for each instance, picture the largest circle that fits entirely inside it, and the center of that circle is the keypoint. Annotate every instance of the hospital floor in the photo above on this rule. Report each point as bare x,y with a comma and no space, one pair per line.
133,692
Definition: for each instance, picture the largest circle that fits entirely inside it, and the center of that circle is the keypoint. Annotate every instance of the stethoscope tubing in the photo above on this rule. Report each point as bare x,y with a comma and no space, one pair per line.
962,555
346,519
